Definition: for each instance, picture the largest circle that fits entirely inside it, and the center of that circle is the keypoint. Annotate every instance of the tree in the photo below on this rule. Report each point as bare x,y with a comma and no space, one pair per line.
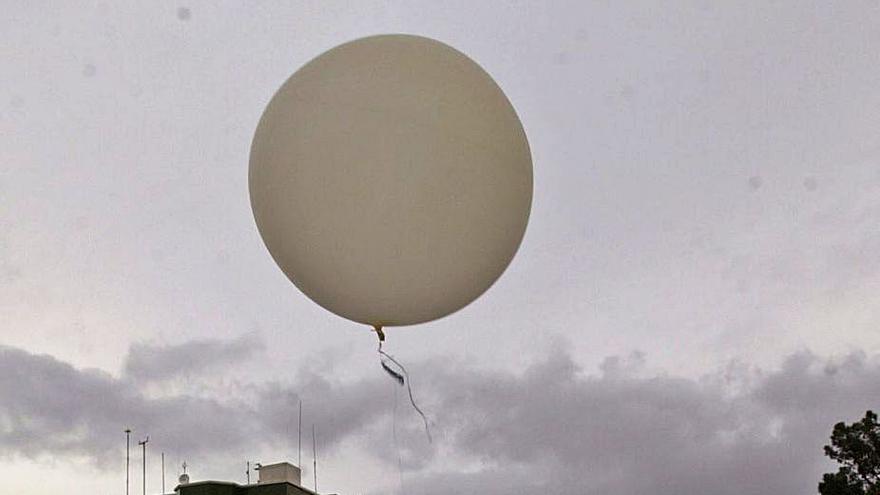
856,448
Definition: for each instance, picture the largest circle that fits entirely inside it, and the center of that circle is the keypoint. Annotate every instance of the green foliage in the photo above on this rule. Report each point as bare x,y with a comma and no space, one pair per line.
856,448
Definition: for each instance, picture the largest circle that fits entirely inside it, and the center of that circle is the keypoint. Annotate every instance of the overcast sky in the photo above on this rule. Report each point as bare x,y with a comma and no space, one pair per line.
694,305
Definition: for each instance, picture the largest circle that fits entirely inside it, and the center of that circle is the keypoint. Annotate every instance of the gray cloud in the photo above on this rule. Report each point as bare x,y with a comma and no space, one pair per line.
552,427
557,430
50,408
148,362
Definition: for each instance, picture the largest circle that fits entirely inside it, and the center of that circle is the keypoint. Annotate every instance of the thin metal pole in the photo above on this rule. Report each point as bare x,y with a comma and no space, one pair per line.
247,472
299,459
144,445
315,456
163,473
127,456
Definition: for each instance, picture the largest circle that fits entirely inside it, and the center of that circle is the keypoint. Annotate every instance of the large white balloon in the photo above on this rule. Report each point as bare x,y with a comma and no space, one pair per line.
391,180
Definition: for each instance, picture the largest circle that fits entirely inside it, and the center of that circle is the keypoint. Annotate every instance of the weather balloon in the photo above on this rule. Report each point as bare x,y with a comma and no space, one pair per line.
391,180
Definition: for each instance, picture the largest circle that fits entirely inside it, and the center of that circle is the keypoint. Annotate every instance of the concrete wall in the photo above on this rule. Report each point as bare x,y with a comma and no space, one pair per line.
280,472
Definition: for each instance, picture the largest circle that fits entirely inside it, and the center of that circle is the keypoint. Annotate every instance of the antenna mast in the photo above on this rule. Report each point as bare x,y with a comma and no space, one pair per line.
127,456
144,445
315,456
299,432
163,473
247,472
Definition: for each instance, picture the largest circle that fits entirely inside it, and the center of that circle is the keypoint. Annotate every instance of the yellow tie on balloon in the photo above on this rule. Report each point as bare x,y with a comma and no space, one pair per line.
391,180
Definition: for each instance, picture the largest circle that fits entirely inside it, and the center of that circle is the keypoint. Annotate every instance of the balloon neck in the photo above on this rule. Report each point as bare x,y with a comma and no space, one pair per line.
379,333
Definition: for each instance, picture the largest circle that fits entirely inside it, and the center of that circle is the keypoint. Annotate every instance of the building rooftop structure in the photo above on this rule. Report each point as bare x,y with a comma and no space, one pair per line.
281,478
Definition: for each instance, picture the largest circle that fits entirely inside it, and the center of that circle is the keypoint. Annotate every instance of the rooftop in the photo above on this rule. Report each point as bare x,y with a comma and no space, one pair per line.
227,488
281,478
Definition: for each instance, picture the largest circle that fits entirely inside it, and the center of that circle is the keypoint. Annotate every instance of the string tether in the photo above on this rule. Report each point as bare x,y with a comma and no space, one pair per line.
401,376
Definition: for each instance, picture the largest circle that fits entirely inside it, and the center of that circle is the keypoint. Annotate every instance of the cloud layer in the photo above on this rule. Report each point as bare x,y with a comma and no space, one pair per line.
557,430
553,427
147,362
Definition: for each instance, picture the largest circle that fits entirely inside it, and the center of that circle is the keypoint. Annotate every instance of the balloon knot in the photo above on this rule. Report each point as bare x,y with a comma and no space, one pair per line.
379,333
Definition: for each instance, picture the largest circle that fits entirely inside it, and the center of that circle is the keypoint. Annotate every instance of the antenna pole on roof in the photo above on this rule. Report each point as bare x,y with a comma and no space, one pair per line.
299,432
127,456
163,473
315,456
144,445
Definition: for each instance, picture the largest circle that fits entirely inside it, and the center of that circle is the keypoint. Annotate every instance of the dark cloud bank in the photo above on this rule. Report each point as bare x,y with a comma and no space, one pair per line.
552,428
151,363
